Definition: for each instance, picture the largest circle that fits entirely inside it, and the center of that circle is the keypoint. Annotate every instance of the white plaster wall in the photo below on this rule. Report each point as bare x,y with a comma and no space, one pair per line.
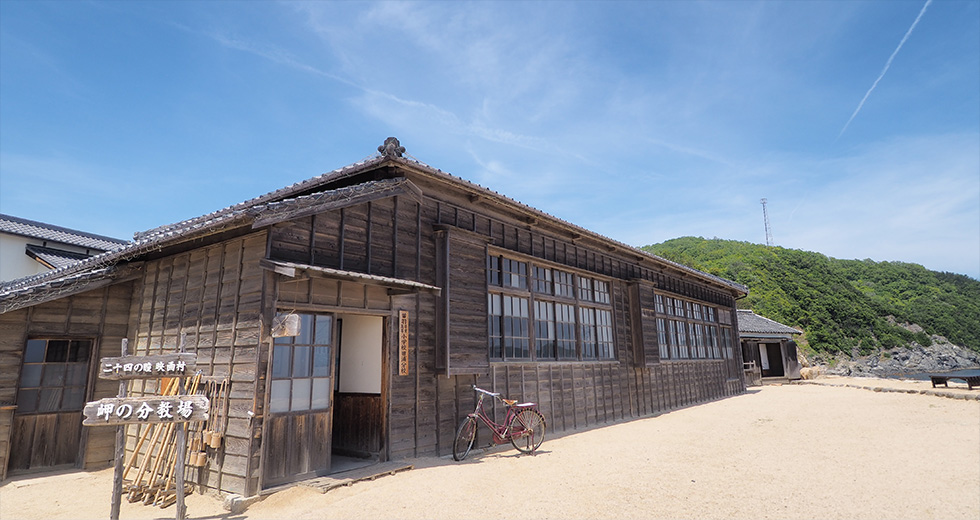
14,263
360,354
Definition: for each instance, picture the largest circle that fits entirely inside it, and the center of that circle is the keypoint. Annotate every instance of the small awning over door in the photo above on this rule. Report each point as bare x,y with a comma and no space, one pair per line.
395,285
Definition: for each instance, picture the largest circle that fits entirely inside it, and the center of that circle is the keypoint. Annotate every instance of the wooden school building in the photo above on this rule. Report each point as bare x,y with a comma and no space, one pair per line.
408,285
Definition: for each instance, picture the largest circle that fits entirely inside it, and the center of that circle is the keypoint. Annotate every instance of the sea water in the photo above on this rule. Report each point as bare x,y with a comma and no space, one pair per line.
924,376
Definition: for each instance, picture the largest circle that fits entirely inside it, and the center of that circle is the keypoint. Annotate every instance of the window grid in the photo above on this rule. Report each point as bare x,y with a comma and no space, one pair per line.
688,330
542,280
565,328
545,341
563,284
662,338
556,329
301,368
54,375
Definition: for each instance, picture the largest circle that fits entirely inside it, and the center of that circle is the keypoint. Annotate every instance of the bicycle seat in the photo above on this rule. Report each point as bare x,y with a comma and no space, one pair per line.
509,402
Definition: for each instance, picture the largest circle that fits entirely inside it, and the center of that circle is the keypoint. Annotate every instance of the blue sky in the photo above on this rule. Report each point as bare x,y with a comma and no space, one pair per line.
643,121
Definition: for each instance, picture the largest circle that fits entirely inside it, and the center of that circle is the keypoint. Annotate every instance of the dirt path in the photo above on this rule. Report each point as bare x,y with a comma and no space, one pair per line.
793,451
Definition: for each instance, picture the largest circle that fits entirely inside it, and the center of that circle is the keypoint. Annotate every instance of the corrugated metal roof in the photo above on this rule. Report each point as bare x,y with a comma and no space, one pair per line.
751,323
41,231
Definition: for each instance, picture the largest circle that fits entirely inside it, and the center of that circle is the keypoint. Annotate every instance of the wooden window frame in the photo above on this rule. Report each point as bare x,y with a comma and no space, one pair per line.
561,290
692,329
292,344
46,368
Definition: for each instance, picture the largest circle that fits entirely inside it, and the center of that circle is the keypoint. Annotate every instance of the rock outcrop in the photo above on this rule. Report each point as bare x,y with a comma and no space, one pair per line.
941,356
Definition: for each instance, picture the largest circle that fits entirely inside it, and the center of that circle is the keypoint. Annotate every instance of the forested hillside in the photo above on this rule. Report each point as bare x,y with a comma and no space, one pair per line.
842,305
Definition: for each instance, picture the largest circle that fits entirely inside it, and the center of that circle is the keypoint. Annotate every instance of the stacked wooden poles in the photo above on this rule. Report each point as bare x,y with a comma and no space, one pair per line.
168,496
153,483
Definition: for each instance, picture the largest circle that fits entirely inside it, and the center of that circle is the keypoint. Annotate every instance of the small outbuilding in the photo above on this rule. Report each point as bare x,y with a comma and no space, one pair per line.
768,348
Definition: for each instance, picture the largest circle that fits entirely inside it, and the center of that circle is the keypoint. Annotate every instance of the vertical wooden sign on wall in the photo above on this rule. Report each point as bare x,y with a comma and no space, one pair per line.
403,343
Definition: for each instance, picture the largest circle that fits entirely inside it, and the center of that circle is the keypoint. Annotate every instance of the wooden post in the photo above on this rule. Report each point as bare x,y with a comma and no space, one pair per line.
181,448
117,476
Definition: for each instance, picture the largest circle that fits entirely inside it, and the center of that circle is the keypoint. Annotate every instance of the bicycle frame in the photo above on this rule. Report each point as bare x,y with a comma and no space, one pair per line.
502,433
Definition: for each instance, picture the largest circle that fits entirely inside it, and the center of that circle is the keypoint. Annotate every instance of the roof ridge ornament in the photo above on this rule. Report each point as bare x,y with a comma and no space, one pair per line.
391,148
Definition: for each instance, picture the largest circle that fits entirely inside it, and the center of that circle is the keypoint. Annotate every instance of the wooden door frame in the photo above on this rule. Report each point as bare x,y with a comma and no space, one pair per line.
388,335
267,414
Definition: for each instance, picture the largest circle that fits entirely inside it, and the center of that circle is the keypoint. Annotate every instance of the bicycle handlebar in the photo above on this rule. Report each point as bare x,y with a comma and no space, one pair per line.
482,391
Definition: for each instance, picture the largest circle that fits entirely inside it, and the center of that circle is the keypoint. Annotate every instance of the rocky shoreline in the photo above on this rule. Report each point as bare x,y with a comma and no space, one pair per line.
941,356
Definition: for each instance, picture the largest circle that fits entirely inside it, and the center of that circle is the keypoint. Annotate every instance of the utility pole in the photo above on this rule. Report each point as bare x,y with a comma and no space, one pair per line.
765,215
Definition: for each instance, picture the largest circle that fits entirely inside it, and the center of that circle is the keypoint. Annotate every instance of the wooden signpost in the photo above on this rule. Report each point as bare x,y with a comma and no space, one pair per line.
173,410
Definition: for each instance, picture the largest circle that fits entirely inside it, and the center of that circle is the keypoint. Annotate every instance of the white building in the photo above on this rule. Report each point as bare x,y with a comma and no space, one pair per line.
28,248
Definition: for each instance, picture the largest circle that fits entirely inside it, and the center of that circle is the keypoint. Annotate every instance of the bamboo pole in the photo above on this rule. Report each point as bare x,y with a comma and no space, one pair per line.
136,489
143,436
177,453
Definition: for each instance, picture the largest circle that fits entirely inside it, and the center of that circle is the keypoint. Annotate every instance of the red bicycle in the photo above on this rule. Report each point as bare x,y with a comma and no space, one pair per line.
523,426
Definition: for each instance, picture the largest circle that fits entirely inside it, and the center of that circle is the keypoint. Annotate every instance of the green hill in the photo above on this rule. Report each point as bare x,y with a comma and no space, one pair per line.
841,305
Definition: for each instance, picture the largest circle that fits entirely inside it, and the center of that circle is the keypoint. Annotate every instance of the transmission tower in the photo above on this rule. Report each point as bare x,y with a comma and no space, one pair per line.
765,216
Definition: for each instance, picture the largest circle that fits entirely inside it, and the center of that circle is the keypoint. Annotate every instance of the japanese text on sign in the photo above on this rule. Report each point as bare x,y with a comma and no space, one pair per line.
403,343
140,367
121,410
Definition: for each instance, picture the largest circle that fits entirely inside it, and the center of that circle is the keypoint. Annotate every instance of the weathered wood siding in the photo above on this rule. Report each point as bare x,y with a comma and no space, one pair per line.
357,424
443,241
212,295
100,315
573,395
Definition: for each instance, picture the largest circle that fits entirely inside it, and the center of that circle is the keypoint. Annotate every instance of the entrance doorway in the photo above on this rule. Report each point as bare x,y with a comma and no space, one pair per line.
326,401
358,413
771,355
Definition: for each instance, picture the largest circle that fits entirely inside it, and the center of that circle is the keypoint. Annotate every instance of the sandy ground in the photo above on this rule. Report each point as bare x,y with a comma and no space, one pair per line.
793,451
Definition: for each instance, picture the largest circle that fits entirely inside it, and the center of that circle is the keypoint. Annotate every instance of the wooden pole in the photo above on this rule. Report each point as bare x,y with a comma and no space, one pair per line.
117,475
181,449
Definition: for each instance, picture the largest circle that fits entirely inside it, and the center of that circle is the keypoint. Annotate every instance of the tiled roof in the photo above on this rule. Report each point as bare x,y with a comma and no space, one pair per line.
41,231
751,323
54,258
415,164
152,240
226,217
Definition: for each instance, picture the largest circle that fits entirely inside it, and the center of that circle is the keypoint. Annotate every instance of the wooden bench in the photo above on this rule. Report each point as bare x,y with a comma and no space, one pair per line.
971,381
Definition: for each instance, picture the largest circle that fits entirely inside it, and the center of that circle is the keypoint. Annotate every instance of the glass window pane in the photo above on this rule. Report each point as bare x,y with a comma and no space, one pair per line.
57,351
305,329
79,351
74,398
30,376
321,393
321,361
35,351
301,361
50,400
324,329
76,374
279,396
281,361
54,375
26,401
301,394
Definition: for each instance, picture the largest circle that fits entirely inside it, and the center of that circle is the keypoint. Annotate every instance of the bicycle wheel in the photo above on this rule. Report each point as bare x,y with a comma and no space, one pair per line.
465,435
527,430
